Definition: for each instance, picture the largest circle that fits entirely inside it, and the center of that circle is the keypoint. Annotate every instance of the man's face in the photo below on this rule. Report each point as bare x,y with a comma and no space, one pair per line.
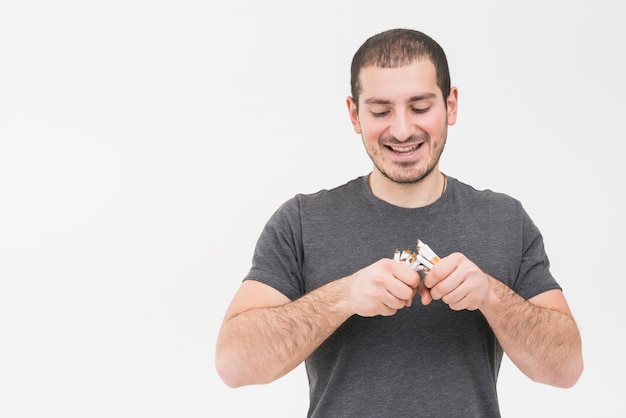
403,119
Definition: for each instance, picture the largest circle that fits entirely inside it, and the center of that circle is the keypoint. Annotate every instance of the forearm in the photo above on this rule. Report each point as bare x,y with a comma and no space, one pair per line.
543,343
260,345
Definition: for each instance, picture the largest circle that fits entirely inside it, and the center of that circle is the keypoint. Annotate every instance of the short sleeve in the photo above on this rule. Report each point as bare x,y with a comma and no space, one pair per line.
534,275
277,259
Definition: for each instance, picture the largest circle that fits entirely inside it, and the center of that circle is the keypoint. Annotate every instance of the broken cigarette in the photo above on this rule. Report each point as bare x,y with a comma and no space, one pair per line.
422,260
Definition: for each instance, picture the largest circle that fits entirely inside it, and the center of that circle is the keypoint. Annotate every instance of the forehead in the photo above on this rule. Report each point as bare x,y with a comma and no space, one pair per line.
416,79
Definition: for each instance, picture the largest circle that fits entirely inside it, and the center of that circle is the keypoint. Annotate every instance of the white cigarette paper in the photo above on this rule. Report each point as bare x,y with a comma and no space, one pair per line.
396,255
426,252
422,260
425,262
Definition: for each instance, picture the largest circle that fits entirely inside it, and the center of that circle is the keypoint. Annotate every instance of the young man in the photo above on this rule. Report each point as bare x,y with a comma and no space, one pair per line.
324,287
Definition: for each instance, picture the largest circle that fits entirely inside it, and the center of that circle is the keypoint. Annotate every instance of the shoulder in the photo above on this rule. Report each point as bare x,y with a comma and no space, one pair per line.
320,202
332,197
351,187
484,199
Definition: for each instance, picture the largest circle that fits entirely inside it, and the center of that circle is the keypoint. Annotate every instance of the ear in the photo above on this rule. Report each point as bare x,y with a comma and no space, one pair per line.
452,102
354,114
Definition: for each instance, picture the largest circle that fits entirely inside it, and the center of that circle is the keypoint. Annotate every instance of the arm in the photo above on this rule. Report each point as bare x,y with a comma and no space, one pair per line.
539,335
265,335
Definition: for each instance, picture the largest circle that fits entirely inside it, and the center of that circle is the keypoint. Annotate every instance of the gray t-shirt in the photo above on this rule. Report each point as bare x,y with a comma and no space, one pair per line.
424,361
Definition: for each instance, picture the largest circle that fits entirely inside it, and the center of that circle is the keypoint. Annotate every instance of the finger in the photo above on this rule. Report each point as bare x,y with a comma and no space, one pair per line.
424,293
391,305
410,301
404,273
400,290
454,298
398,299
468,295
448,288
442,270
383,310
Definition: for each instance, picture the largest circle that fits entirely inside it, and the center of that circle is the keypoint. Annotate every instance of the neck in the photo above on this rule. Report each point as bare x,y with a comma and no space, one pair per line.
408,195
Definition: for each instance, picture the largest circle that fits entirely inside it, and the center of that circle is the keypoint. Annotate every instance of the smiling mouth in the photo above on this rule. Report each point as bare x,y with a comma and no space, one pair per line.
405,149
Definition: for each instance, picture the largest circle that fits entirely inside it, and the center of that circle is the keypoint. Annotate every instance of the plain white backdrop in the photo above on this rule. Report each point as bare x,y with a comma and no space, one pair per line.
144,144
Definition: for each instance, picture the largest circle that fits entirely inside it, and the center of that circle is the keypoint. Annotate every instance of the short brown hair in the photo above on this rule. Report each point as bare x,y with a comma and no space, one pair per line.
396,48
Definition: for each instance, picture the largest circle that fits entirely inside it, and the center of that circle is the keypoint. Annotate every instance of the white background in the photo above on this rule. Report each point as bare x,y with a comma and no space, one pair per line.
143,145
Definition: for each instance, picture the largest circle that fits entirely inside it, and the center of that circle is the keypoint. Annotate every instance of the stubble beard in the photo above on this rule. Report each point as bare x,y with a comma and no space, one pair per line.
403,173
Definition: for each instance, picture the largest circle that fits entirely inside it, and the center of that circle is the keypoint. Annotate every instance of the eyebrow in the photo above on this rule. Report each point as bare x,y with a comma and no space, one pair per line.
425,96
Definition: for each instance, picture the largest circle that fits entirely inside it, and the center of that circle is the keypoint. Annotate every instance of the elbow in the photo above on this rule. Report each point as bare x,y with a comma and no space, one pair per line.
235,371
571,377
228,372
565,377
228,362
231,380
572,371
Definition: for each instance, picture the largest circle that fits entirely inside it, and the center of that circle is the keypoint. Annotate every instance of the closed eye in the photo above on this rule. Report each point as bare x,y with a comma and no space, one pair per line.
420,110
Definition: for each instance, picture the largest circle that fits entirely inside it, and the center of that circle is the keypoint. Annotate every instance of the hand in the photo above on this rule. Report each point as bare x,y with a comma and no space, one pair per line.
383,288
458,282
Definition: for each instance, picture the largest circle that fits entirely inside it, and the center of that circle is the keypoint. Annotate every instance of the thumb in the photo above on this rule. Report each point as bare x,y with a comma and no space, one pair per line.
424,293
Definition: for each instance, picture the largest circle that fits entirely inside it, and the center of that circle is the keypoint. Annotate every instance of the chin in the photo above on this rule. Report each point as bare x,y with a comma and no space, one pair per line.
406,176
405,179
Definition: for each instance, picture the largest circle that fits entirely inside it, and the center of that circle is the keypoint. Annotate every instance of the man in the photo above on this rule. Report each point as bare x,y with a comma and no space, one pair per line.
325,289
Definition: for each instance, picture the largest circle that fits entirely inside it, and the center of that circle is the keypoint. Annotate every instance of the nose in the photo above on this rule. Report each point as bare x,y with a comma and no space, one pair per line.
401,127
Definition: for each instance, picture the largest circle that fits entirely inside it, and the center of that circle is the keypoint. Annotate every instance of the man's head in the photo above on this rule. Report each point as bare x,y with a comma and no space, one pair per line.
402,104
396,48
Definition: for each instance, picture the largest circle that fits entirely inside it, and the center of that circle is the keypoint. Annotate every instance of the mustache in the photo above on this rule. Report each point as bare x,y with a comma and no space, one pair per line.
392,140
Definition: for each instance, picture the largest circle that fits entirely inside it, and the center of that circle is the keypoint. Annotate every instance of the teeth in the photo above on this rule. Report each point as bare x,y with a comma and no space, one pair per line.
398,149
